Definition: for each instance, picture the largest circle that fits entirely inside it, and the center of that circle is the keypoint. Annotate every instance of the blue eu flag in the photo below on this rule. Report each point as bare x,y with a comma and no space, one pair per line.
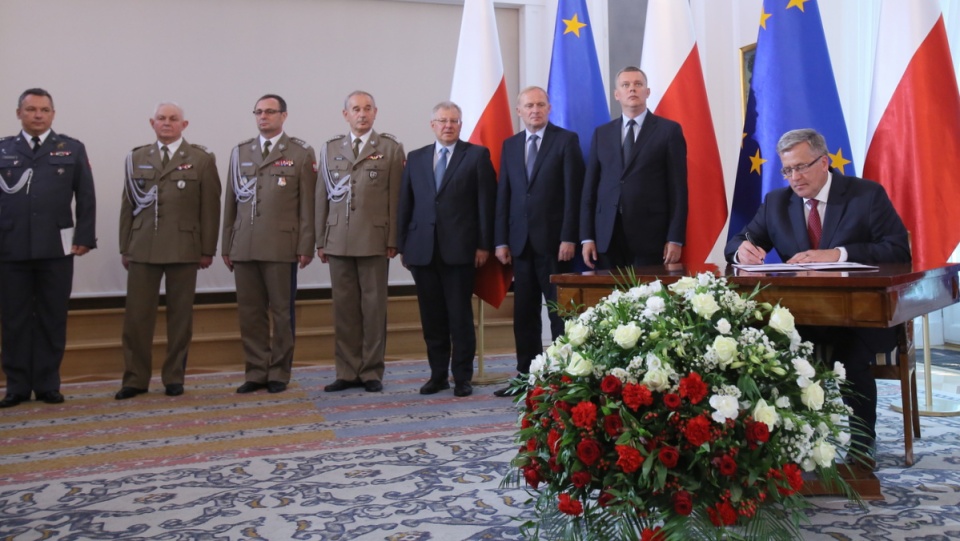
792,87
578,99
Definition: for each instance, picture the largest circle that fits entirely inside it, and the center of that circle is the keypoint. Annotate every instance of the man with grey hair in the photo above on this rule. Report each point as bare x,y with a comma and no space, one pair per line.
358,187
444,233
169,224
824,215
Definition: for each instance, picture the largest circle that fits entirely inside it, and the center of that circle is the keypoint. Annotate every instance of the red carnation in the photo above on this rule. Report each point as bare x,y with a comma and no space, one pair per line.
728,515
757,433
552,438
669,456
630,458
693,388
525,422
532,475
651,534
794,477
566,379
697,431
613,425
611,385
635,396
671,400
728,466
605,498
585,415
569,505
683,503
564,406
532,445
581,479
552,464
588,451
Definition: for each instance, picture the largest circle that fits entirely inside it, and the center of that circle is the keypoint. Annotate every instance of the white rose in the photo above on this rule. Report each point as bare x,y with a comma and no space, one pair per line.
652,288
804,368
655,305
725,406
577,334
705,305
808,465
683,285
824,453
626,336
844,438
723,326
657,380
783,402
840,370
726,349
781,320
766,414
812,396
579,366
538,363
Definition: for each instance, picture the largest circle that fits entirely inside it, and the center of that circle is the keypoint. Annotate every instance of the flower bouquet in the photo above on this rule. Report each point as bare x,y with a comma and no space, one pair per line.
681,411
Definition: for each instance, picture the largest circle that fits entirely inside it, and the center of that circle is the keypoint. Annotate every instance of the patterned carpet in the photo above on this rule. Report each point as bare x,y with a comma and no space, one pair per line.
309,465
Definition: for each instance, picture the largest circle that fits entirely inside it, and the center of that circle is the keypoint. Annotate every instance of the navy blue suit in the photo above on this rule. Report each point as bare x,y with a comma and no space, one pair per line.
859,217
645,196
438,234
36,271
534,215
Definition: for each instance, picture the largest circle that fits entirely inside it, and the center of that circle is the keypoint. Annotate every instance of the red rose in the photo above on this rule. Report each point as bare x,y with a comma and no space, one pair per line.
569,505
552,464
683,503
669,456
605,498
611,385
728,466
552,438
532,445
635,396
697,431
651,534
581,479
728,515
613,425
588,451
532,475
757,433
671,400
584,415
630,458
693,388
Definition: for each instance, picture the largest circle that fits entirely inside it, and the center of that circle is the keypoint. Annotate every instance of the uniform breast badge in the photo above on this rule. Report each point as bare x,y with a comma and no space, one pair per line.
281,182
181,184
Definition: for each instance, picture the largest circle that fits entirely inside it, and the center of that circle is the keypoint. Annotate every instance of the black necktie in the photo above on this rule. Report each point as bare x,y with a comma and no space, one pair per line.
628,140
36,144
266,149
356,147
166,155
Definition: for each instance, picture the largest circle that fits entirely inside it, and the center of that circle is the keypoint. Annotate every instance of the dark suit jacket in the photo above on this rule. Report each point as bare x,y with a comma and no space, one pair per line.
651,187
859,217
31,219
544,209
458,216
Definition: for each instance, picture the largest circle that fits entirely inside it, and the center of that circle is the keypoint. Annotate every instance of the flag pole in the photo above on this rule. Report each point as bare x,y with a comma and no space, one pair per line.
481,377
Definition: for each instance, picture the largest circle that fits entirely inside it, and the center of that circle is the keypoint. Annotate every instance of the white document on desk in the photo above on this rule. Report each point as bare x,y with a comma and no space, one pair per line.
797,267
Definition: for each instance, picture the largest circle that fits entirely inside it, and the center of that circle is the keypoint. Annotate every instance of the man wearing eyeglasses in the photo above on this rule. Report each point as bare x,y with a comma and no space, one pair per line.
824,215
268,231
44,176
444,233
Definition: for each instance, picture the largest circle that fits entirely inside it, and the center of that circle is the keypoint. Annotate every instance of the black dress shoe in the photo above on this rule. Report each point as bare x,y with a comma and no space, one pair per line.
173,389
128,392
433,386
463,388
373,386
340,385
276,386
12,400
50,397
250,387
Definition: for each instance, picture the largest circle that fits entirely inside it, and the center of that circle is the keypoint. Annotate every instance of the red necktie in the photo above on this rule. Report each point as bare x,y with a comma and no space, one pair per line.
814,227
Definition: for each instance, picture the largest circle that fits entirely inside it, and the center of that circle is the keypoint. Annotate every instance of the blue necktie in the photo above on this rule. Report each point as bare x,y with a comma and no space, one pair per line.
531,154
441,167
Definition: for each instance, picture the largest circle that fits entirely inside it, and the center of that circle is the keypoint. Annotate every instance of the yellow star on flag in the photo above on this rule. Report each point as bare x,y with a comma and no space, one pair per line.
755,162
573,25
837,161
763,18
796,4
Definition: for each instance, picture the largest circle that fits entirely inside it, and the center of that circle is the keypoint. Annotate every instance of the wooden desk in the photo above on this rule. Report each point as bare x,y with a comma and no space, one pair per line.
889,297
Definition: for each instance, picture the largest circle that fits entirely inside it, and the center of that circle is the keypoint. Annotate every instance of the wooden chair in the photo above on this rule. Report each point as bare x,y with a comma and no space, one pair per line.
901,364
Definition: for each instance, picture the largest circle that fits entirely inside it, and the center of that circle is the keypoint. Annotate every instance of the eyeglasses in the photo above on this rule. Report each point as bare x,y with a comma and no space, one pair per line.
788,172
268,112
446,121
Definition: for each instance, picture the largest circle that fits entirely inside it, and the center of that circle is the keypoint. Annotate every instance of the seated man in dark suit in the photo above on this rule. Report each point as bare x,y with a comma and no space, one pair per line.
826,216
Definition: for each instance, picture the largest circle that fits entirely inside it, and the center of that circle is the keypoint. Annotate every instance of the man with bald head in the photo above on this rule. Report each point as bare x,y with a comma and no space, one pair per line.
169,224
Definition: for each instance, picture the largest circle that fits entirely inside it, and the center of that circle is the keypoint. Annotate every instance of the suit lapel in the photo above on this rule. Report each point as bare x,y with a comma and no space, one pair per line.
836,206
646,130
368,149
549,137
276,151
346,148
177,158
798,223
458,151
155,159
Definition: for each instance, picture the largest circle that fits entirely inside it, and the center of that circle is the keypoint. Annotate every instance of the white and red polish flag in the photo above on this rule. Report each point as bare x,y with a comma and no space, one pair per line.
913,132
480,89
671,61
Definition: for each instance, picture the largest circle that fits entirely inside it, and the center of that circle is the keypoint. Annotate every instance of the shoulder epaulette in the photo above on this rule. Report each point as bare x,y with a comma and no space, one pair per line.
300,142
241,143
336,138
65,136
390,136
201,147
139,147
2,139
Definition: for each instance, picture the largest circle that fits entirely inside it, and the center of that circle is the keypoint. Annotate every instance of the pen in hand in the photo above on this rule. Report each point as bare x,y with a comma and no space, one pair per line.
750,240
